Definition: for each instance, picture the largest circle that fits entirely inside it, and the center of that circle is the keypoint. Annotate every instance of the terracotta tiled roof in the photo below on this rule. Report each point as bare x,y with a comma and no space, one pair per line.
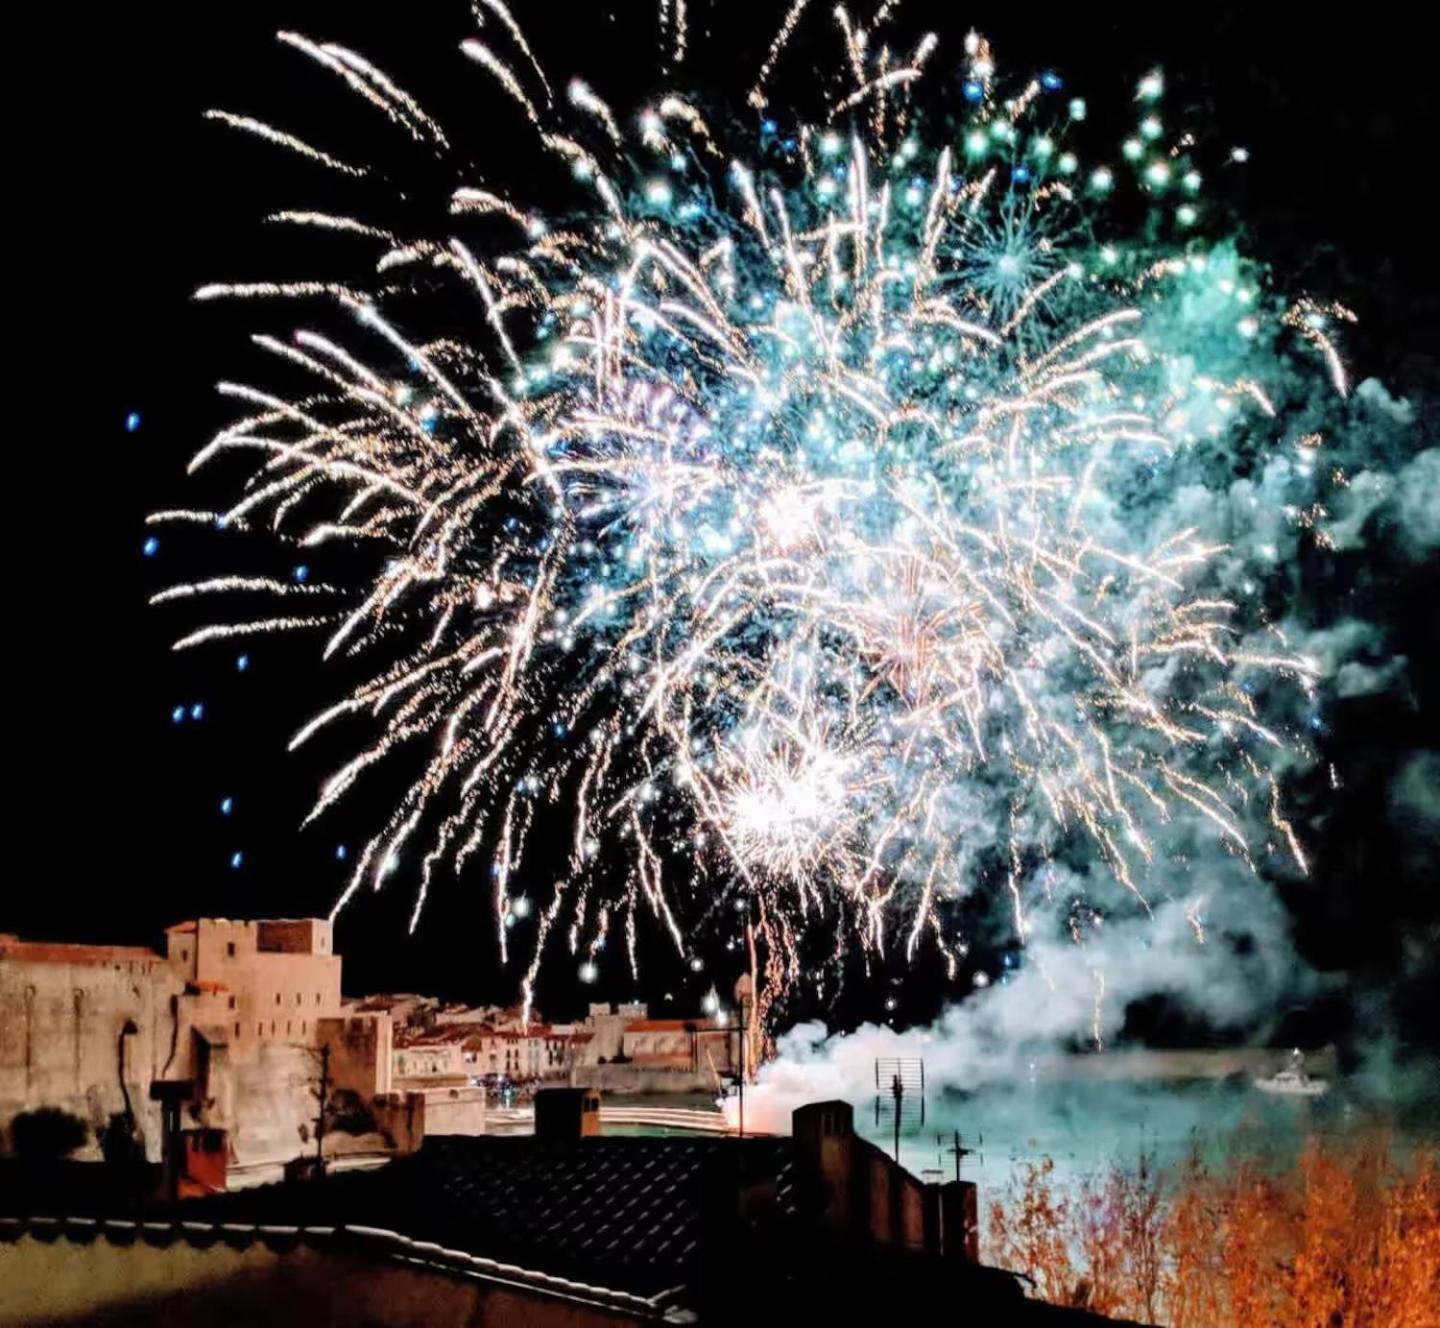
57,952
667,1026
444,1035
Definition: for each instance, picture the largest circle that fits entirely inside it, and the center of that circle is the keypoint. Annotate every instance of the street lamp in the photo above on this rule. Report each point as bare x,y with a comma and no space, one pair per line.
744,1002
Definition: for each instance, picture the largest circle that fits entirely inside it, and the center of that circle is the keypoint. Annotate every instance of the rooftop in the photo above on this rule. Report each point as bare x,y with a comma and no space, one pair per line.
624,1213
618,1223
372,1243
192,924
442,1036
698,1025
63,952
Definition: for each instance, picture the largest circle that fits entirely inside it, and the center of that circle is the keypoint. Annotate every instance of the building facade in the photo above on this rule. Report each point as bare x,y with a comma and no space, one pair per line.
229,1016
88,1028
473,1052
692,1045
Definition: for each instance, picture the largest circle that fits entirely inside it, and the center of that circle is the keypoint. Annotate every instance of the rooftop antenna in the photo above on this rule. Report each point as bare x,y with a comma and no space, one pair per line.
900,1092
958,1150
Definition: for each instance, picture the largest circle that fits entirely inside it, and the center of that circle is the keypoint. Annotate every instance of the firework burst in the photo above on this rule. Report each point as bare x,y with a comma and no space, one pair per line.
770,516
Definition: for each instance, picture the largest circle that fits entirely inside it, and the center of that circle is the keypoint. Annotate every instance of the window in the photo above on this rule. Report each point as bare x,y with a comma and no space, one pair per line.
303,1027
297,998
230,949
259,1030
232,1002
289,1028
277,998
237,1028
317,998
272,1028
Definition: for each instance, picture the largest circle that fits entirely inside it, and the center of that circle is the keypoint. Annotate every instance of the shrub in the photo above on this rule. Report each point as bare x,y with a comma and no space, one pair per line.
47,1134
1349,1235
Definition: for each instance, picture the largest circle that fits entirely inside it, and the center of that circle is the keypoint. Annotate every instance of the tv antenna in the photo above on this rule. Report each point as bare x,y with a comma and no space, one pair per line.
900,1094
958,1149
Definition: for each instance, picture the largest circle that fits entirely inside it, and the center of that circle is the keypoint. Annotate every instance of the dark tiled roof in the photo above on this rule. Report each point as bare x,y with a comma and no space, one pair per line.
613,1203
619,1212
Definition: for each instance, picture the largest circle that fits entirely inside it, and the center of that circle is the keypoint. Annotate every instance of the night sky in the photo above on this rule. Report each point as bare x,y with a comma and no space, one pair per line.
127,201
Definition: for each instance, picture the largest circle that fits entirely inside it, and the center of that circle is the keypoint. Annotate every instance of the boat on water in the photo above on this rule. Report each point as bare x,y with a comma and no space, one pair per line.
1292,1081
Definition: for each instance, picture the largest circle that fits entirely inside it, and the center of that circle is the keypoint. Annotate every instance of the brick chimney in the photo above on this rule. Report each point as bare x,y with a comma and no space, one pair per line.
960,1221
824,1134
563,1115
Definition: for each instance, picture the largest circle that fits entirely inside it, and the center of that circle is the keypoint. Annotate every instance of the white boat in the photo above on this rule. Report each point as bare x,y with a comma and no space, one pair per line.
1292,1083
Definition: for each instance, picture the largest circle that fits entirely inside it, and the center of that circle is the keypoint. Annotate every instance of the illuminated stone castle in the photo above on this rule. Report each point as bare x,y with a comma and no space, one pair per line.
236,1010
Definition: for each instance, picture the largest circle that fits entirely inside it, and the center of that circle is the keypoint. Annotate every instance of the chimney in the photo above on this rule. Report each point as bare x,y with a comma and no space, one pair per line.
824,1134
564,1115
960,1221
170,1093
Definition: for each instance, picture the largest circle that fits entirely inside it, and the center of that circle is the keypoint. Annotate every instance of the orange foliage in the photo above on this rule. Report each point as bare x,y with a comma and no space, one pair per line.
1349,1237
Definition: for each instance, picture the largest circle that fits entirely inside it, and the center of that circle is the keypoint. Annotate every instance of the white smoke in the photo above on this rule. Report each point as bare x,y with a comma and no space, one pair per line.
1055,999
1062,994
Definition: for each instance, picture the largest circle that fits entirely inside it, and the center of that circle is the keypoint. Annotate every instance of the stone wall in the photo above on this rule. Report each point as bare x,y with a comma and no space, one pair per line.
361,1047
274,1103
408,1118
234,1006
636,1079
454,1111
60,1034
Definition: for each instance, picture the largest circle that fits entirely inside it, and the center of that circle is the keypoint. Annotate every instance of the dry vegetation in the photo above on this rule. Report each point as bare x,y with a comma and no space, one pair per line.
1347,1237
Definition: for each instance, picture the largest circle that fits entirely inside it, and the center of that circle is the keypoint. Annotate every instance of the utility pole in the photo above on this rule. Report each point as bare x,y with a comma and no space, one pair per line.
739,1060
745,1000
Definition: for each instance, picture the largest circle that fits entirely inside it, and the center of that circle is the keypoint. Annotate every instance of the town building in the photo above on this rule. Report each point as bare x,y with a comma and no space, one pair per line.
606,1025
434,1056
405,1009
474,1052
628,1051
690,1045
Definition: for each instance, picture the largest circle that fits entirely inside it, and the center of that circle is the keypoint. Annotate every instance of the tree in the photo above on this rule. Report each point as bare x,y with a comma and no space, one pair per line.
47,1134
120,1145
336,1109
